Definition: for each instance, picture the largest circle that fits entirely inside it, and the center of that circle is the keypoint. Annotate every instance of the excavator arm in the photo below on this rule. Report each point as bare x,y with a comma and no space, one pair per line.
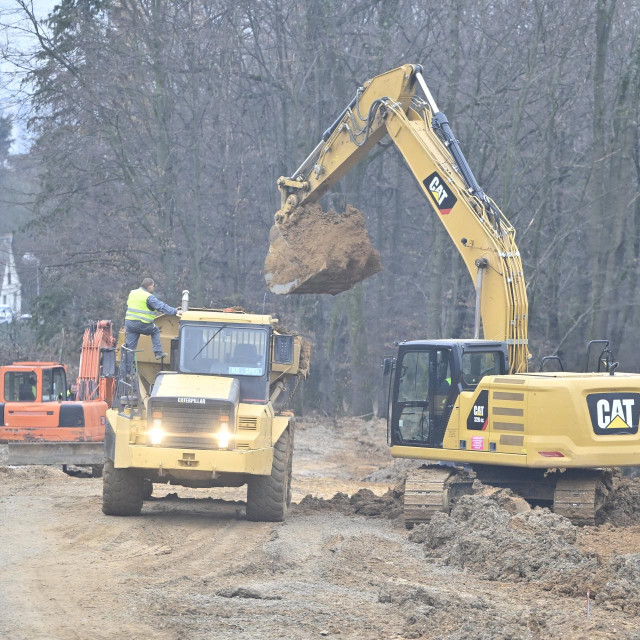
388,105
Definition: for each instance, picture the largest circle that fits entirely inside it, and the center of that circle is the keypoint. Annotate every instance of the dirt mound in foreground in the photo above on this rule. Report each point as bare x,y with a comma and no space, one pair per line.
623,505
31,472
319,252
620,581
363,502
499,535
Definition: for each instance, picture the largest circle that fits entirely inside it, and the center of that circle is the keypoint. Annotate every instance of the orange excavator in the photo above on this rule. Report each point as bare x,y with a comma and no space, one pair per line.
39,418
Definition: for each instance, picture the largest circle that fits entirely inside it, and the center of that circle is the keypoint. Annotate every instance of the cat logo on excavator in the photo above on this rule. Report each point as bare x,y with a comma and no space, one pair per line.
444,199
613,413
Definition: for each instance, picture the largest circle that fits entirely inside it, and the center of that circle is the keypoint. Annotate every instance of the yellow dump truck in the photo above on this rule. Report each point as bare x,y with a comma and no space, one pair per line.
206,416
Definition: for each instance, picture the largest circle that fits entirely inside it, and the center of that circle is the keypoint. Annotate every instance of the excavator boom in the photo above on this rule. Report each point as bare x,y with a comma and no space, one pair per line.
299,262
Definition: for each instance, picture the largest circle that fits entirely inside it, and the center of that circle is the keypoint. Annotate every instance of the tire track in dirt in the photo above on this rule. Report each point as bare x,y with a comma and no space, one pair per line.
193,567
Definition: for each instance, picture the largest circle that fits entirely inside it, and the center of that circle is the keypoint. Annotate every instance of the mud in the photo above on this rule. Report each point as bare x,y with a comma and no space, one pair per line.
341,566
499,535
620,580
623,506
394,472
364,502
319,252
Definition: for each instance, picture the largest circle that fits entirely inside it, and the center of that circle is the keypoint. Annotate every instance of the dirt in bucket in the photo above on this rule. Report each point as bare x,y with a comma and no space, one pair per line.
319,252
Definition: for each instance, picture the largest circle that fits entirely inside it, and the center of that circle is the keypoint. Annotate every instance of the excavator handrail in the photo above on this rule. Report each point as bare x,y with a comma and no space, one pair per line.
422,134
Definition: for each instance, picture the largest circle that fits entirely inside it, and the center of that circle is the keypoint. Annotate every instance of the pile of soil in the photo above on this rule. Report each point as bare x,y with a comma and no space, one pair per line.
498,534
364,502
620,580
319,252
395,472
623,505
31,472
465,615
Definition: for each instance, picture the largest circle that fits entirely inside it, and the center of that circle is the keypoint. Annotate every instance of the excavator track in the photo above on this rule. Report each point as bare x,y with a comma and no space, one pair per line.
425,493
432,489
580,494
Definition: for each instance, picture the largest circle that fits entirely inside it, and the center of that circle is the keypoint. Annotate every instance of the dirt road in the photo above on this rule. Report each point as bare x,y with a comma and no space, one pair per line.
193,567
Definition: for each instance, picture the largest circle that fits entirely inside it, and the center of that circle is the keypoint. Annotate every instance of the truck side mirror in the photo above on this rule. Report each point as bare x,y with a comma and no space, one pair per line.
283,350
387,365
108,362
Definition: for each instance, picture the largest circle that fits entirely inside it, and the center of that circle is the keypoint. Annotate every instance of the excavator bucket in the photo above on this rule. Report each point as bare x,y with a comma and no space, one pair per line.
319,252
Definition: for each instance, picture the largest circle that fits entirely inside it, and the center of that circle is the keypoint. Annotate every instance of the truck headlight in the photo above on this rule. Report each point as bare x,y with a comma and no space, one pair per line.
156,434
223,436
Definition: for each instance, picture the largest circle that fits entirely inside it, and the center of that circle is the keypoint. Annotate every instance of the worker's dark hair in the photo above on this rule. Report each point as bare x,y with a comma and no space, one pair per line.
146,283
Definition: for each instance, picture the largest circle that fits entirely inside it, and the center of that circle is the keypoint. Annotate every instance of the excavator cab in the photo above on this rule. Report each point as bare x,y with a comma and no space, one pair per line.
427,378
31,382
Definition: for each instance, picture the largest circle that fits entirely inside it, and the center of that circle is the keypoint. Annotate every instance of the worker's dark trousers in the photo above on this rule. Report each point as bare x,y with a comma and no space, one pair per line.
136,328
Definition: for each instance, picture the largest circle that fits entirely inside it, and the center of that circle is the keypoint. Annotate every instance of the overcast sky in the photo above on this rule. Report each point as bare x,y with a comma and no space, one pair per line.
14,36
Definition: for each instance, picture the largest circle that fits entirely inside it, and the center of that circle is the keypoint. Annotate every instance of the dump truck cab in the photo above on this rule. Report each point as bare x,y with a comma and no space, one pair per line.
208,417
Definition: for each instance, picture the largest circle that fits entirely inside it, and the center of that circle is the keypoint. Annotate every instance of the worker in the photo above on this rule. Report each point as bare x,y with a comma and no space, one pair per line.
27,390
139,319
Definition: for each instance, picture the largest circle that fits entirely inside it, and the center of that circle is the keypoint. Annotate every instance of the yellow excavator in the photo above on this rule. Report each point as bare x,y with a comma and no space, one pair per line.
469,404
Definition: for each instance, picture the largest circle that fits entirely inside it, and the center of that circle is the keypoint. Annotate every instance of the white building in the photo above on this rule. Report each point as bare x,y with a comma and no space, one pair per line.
10,289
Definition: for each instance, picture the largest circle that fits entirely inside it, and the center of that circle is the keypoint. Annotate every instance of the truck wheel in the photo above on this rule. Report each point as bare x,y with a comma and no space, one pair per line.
269,496
122,491
147,489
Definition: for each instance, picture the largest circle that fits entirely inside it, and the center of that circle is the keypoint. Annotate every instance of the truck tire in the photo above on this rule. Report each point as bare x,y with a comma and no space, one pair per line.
268,497
147,489
122,491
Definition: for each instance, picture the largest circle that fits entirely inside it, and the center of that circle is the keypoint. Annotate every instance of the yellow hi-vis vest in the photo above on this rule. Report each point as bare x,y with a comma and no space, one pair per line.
137,306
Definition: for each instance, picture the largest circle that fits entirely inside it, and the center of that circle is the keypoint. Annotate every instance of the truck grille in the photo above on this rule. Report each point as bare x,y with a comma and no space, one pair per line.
191,426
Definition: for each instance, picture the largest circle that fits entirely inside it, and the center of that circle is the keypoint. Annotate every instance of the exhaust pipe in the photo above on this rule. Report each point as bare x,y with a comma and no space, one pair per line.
185,300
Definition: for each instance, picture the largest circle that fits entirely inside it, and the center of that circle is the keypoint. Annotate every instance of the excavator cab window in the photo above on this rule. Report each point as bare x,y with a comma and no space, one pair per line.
477,365
422,385
54,385
20,386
